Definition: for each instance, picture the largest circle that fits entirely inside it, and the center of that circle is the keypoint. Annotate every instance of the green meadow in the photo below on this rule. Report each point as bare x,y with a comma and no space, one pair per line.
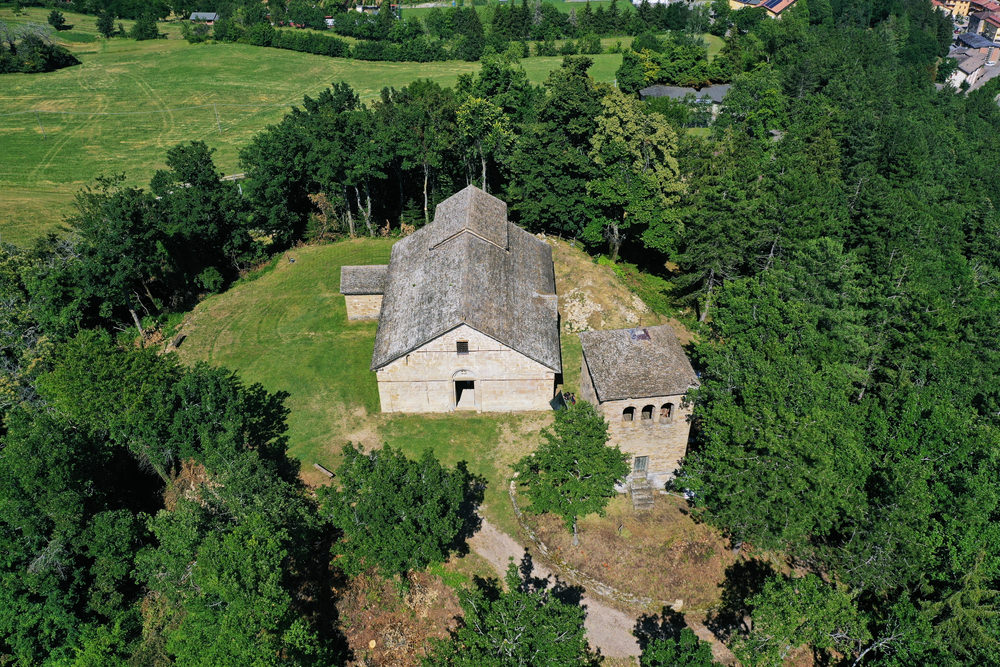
129,101
287,329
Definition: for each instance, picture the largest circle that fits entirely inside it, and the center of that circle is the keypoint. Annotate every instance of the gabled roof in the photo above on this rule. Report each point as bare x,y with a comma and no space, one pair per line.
972,63
637,363
471,211
369,279
975,41
714,93
470,266
204,16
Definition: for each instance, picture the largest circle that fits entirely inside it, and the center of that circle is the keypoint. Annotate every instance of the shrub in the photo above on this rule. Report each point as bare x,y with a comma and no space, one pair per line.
260,34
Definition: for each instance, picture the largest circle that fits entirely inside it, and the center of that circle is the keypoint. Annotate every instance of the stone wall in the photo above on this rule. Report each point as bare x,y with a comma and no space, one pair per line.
505,380
663,440
363,306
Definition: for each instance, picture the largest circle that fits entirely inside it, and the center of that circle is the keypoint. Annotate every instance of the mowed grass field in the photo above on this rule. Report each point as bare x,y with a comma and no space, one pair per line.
288,330
129,101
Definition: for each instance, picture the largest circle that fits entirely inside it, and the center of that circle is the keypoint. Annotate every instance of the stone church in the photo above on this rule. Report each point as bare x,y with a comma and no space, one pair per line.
468,320
467,313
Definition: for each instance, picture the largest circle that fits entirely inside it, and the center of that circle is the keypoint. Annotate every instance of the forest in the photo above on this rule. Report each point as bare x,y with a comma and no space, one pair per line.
833,237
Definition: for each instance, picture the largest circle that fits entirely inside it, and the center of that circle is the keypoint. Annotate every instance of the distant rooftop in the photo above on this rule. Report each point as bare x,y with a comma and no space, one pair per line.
974,41
773,6
713,93
204,16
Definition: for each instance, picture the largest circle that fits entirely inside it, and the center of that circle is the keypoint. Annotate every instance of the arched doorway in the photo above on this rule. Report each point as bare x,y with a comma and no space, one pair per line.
464,382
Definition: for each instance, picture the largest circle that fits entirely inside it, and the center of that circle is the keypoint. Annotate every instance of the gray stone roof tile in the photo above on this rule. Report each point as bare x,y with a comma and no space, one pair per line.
470,266
637,363
369,279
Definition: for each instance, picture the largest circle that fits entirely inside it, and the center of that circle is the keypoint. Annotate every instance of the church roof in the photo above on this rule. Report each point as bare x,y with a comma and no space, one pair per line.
470,266
637,363
365,279
473,211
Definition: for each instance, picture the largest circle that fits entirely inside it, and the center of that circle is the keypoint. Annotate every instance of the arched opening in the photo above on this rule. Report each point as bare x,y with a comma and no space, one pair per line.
666,413
628,414
465,390
647,413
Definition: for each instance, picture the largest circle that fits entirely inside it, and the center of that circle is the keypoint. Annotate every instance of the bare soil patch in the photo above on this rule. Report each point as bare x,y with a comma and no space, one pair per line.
386,627
591,296
661,554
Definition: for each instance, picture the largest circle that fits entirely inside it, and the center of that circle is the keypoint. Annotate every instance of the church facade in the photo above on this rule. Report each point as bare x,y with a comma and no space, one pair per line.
467,313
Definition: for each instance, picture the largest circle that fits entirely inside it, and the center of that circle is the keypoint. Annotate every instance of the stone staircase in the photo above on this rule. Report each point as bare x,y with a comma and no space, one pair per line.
642,493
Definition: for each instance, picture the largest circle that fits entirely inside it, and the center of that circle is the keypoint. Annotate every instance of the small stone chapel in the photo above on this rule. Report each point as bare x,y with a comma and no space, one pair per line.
468,320
467,313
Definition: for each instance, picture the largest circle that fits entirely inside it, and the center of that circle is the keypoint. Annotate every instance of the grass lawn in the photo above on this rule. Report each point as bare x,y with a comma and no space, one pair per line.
129,101
288,330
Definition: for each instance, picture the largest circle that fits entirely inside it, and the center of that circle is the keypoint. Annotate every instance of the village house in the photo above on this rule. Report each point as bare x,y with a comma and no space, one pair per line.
956,8
971,67
774,7
638,379
985,23
467,313
204,17
709,96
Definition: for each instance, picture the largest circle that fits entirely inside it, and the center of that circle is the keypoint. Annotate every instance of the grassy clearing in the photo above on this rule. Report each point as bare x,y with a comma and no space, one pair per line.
129,101
661,554
286,328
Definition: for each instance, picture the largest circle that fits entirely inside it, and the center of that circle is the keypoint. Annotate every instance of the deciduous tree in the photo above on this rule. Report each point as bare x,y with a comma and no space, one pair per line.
398,514
574,472
528,624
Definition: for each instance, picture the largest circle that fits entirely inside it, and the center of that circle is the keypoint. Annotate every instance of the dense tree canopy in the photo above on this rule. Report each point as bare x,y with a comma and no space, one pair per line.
529,623
398,514
835,231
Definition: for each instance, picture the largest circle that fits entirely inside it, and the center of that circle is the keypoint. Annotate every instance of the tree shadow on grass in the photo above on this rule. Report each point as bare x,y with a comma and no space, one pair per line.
744,579
468,510
666,625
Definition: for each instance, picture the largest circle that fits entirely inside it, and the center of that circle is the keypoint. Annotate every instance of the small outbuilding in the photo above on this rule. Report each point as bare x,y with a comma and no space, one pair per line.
638,379
204,17
363,287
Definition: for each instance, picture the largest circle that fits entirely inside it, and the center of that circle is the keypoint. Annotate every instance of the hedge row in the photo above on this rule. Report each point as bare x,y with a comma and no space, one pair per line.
421,49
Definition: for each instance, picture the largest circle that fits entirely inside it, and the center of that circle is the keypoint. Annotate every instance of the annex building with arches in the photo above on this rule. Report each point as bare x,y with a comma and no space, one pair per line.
638,379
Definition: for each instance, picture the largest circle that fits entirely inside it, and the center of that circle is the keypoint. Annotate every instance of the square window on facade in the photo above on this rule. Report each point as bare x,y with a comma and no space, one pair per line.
462,347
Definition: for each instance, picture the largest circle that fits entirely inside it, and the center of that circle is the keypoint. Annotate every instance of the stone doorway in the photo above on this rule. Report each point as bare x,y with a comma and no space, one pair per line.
465,394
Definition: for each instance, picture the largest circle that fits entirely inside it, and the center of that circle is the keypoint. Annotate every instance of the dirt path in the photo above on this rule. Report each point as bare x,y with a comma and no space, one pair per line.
608,629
